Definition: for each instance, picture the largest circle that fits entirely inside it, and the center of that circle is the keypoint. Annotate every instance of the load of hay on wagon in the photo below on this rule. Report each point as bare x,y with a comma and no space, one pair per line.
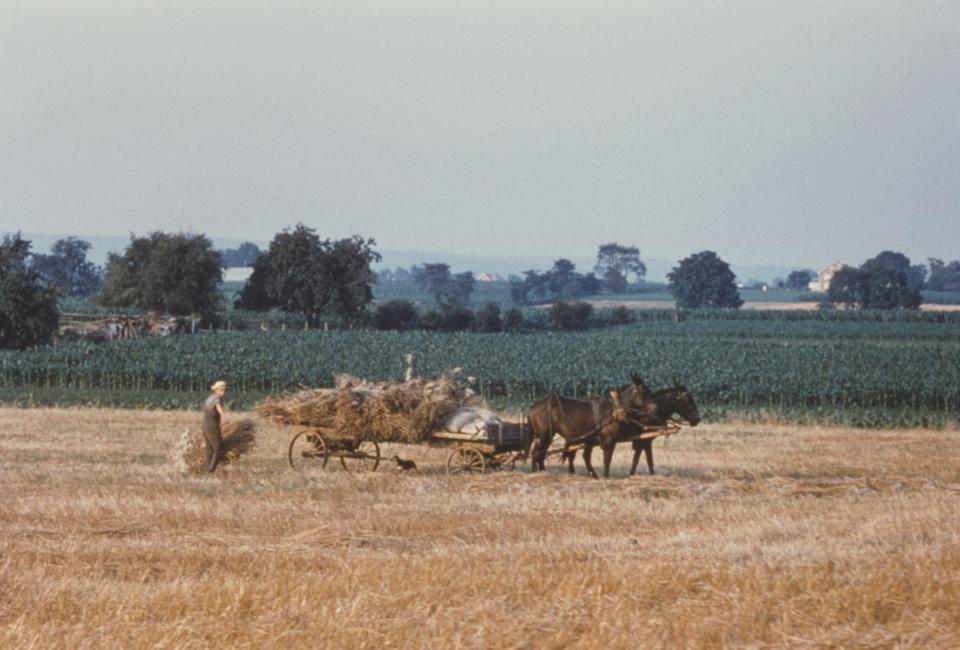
405,412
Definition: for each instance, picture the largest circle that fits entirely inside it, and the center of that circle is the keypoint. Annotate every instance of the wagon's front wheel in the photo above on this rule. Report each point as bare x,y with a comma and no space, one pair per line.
307,451
464,460
365,457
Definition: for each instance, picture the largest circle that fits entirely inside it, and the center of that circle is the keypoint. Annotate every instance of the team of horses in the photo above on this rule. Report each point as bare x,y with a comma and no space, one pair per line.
621,415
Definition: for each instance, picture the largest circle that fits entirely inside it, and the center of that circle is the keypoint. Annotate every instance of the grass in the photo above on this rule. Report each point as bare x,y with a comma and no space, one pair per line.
756,535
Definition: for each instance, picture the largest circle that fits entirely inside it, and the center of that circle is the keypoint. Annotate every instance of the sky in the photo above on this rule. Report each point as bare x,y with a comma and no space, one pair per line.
768,131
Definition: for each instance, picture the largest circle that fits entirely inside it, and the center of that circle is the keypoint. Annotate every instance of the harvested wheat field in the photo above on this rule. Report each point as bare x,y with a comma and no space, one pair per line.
749,536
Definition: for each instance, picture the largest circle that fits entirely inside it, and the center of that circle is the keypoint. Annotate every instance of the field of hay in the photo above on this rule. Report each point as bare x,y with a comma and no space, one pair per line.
750,535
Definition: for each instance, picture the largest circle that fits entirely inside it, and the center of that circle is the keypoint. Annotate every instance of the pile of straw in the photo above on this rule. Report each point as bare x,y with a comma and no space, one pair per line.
239,438
406,411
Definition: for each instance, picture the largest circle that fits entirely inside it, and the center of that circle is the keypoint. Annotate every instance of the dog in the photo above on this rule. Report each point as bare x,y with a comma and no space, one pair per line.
404,465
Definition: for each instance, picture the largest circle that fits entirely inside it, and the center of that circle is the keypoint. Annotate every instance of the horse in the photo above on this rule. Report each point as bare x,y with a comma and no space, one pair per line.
580,420
669,402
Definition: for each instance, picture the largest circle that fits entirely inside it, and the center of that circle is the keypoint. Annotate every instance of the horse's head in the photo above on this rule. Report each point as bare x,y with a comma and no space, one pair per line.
683,403
638,398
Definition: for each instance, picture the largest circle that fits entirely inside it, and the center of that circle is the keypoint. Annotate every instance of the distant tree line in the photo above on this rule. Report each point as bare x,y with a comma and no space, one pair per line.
245,254
491,317
300,272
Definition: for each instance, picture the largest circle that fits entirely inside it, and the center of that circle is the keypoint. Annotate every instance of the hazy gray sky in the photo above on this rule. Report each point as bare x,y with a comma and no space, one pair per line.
769,131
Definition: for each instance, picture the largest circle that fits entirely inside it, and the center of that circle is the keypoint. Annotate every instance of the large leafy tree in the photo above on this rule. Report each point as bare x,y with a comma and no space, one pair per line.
177,273
67,267
615,263
848,287
703,280
345,265
799,280
28,307
302,273
872,286
915,274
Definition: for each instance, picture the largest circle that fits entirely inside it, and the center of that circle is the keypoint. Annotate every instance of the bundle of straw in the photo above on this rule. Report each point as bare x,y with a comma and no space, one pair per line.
239,438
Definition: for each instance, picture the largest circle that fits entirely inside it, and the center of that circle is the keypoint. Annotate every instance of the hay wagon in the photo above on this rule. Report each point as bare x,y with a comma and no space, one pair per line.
498,446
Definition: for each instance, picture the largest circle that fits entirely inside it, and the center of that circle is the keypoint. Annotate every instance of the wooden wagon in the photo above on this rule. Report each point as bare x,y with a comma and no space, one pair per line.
500,445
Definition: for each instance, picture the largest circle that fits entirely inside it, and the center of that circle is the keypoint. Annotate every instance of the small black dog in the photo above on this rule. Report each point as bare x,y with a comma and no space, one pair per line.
404,465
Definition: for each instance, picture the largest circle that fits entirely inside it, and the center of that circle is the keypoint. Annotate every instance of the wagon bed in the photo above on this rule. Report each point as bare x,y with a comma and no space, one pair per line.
495,447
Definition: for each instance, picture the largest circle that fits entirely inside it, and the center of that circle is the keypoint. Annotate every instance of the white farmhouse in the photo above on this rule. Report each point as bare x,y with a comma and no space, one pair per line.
822,283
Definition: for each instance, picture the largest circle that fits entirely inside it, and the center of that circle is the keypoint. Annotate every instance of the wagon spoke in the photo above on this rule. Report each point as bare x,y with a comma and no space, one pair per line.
464,460
364,457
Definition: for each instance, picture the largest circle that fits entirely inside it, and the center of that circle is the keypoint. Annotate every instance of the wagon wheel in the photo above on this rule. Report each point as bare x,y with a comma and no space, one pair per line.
364,457
308,450
465,460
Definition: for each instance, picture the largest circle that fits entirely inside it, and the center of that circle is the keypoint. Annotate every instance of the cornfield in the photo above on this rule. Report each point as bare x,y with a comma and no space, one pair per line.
887,372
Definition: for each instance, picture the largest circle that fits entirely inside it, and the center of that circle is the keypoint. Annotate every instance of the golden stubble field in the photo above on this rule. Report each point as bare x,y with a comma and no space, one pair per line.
750,536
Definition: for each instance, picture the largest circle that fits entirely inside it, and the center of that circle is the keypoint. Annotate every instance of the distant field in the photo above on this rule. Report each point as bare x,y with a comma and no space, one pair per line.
866,372
750,536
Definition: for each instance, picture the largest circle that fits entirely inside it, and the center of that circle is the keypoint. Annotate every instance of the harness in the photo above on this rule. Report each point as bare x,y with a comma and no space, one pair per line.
618,413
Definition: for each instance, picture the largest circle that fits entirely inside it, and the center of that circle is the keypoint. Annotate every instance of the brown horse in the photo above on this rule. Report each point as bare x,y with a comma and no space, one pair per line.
585,420
669,402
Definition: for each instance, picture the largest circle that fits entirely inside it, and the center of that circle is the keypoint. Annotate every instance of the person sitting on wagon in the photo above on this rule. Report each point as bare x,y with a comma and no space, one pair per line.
212,422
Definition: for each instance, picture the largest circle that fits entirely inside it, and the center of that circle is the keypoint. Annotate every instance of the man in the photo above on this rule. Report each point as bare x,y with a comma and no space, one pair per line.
212,420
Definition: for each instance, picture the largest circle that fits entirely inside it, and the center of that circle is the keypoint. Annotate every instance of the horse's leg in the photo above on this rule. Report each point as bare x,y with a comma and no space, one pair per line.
539,453
587,453
636,457
570,456
545,443
608,447
648,448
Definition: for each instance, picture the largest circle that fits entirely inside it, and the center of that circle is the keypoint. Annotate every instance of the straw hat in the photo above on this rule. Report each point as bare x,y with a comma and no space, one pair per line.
218,385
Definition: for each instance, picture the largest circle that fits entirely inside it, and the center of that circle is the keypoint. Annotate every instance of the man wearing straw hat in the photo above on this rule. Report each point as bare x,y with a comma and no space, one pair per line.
212,419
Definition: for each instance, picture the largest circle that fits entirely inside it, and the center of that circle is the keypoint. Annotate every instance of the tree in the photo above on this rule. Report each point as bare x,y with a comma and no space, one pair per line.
347,276
848,287
487,318
703,280
28,307
890,289
571,316
513,319
799,280
437,281
177,273
562,281
244,255
67,267
302,273
914,274
616,262
395,315
944,277
561,274
614,281
872,287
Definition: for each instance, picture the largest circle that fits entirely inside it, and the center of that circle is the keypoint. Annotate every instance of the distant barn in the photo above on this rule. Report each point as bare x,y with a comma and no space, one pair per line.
825,276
